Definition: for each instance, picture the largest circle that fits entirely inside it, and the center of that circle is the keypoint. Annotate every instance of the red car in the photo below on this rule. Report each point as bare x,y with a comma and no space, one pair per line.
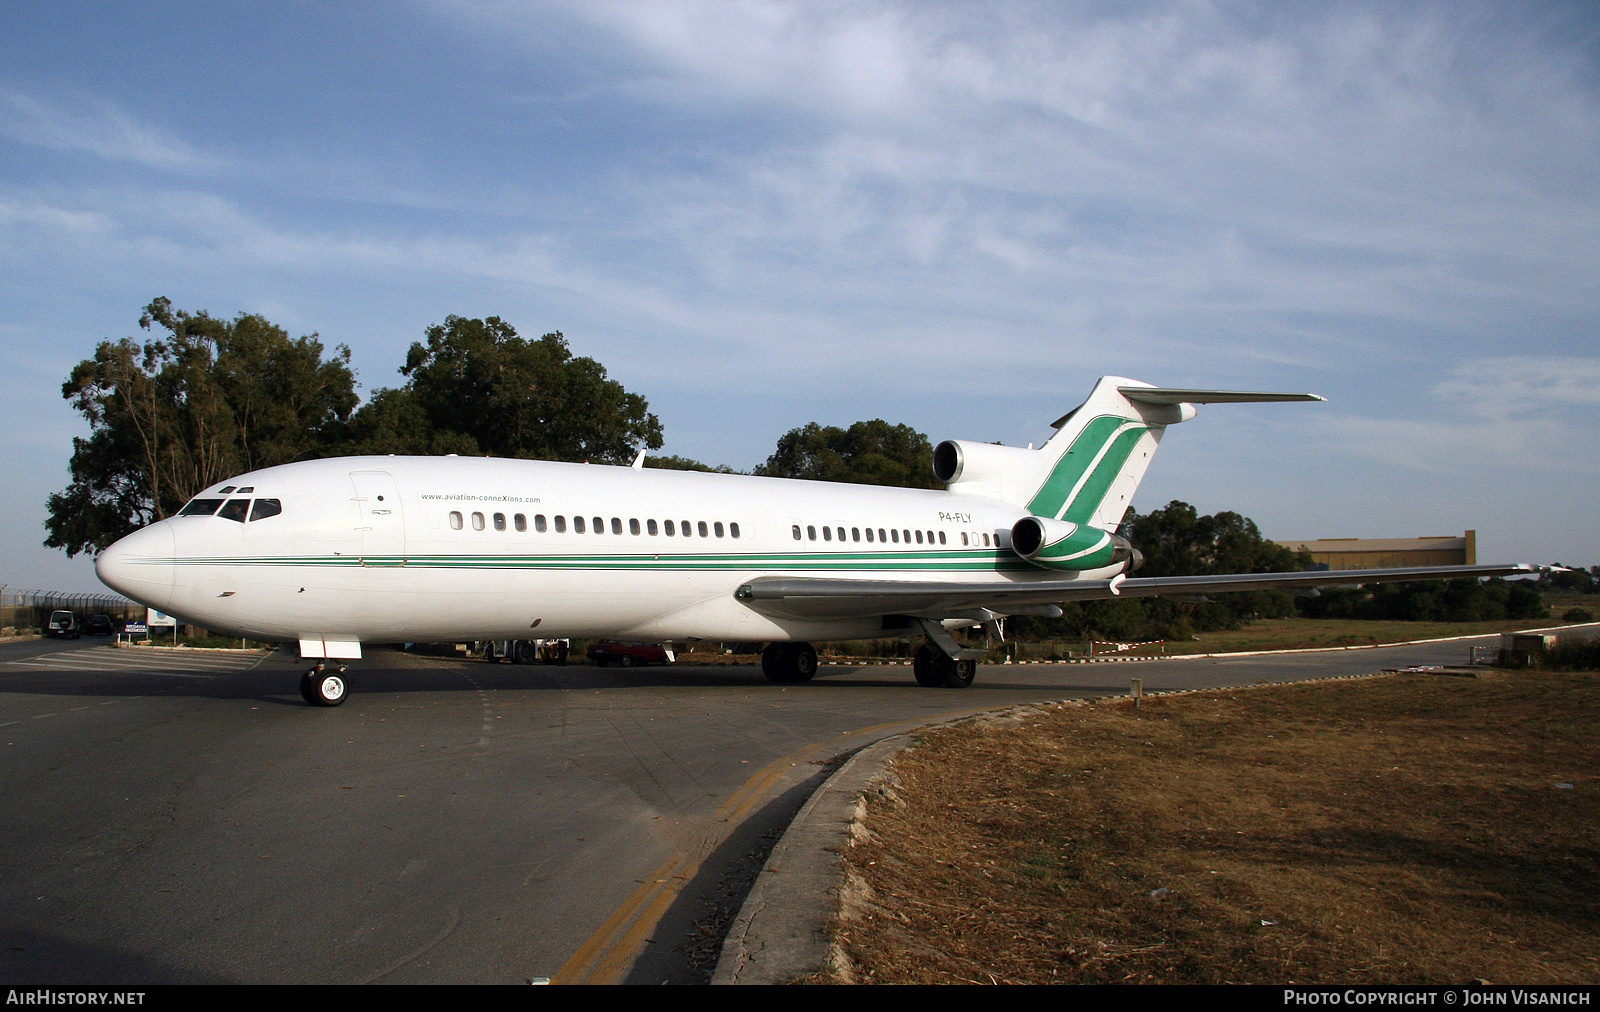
628,654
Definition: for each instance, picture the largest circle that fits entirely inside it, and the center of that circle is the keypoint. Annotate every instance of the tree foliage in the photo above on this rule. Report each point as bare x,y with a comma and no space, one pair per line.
868,453
476,387
675,463
168,417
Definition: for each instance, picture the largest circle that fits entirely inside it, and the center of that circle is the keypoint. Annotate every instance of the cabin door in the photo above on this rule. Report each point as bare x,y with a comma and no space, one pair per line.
381,522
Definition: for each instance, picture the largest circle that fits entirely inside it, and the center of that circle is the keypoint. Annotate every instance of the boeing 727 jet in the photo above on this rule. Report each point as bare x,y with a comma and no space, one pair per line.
340,552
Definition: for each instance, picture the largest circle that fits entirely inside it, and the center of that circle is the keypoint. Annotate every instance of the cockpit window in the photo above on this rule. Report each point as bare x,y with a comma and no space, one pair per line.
200,508
265,508
224,490
247,489
235,510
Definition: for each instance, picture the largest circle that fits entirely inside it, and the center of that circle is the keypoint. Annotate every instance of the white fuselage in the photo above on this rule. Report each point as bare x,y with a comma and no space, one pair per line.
387,549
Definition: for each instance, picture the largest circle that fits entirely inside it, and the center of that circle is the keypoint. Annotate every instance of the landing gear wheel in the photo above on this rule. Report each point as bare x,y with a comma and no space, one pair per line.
961,674
922,665
802,662
323,687
789,662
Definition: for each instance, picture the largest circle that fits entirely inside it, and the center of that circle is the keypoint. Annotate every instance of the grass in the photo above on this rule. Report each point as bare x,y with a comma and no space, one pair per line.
1402,829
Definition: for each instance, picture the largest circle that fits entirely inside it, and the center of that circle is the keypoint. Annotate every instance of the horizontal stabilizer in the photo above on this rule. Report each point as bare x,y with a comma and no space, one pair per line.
1169,395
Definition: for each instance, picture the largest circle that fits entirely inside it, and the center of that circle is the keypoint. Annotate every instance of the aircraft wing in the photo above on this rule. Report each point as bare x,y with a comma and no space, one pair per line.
819,598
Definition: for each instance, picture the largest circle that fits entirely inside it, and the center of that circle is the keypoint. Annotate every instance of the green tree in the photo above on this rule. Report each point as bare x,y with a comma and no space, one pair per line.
867,453
209,399
675,463
477,380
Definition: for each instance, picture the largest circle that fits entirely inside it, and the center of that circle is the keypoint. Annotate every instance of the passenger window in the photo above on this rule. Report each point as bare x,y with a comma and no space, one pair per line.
796,530
869,535
200,508
717,527
811,532
633,526
841,533
578,527
733,530
702,529
650,525
855,534
561,524
668,524
235,510
986,541
881,538
919,537
520,522
538,522
477,521
895,535
616,526
905,536
265,508
499,521
455,520
941,537
599,525
827,534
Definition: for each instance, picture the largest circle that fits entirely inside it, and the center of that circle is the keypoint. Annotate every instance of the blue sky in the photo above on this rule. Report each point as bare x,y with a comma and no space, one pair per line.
954,216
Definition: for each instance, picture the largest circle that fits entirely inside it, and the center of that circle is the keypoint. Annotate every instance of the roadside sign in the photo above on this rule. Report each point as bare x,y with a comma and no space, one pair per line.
135,629
156,618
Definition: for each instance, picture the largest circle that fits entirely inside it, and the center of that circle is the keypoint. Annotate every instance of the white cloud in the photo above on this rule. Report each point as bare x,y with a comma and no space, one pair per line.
101,130
1520,385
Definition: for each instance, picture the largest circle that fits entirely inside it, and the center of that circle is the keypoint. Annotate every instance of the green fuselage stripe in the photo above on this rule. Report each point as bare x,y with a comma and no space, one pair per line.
921,562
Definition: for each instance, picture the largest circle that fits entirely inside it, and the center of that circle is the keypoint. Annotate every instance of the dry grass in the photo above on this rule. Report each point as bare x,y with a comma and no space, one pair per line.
1397,829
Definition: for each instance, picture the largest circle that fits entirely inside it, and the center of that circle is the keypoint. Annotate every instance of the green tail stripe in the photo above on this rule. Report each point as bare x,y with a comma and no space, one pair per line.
1094,490
1052,498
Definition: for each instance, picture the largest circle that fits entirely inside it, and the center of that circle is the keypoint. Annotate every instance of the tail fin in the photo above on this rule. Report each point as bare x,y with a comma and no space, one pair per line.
1087,472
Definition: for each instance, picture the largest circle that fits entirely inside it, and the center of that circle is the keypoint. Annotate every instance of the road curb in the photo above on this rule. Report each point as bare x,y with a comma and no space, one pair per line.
782,929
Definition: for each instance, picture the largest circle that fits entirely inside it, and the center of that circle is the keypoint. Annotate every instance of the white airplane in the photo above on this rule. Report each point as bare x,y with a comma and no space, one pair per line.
340,552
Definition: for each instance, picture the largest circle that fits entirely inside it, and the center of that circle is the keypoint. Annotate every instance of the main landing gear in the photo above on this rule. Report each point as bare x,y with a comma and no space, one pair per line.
942,663
789,662
935,670
324,685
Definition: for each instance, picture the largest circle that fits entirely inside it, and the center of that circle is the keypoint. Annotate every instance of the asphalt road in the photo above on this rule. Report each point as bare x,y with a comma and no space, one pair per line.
168,817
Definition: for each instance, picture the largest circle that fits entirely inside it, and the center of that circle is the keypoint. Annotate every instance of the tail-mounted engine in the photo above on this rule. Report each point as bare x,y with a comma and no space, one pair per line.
1059,544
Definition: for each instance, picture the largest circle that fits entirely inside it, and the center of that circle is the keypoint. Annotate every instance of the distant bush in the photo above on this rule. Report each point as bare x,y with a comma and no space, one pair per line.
1431,601
1577,615
1575,655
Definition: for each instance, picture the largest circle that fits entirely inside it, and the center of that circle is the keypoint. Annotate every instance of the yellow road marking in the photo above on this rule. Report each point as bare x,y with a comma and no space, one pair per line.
612,950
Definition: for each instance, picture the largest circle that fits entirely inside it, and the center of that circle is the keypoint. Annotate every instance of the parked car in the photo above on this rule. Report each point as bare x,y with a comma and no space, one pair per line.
63,625
628,654
99,625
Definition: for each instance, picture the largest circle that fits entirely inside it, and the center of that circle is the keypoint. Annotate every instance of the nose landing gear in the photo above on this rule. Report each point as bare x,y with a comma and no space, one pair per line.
324,685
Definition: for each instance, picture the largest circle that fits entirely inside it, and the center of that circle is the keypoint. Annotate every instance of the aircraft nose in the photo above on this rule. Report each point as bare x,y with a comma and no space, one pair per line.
140,566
